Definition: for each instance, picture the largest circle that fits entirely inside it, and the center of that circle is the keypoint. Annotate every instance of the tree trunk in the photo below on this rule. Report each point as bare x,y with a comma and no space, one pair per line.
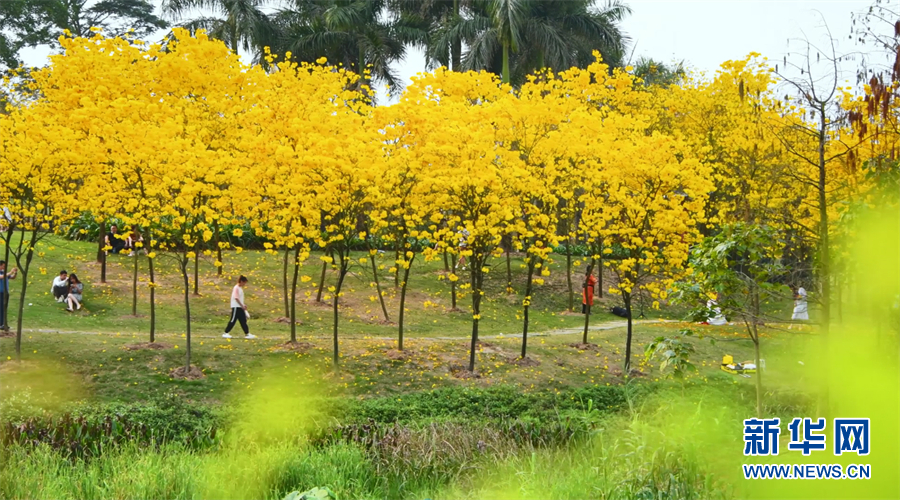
452,283
197,274
600,272
403,302
134,281
509,288
526,304
218,240
477,278
322,280
29,254
505,75
152,302
293,311
287,308
337,293
626,296
187,311
569,274
101,255
456,45
378,287
101,242
825,277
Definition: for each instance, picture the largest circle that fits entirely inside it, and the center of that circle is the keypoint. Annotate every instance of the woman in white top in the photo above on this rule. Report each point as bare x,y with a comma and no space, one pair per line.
238,310
801,306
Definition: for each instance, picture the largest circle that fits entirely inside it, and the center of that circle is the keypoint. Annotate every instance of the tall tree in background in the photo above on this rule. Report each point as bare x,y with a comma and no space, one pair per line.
29,23
351,33
437,26
516,37
241,24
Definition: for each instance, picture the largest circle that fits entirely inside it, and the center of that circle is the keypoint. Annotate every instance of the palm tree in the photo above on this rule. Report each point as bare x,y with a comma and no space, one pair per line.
241,24
655,73
353,33
517,37
435,26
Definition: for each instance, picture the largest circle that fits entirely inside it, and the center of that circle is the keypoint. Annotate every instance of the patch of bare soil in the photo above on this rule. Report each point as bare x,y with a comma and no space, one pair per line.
293,346
571,313
637,373
585,347
286,321
146,345
14,366
461,372
396,355
5,334
526,361
181,373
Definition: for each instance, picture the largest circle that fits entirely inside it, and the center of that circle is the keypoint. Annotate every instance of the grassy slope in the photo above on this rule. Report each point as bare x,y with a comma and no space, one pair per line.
436,336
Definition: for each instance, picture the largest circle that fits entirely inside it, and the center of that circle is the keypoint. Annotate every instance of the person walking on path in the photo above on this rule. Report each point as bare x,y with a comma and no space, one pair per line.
4,292
238,310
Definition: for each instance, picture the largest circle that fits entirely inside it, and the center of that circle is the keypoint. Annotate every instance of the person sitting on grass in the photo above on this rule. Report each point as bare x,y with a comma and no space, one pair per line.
112,240
75,297
133,237
60,286
238,310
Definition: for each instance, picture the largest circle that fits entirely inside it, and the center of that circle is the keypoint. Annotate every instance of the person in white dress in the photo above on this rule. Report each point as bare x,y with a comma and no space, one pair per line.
716,317
801,306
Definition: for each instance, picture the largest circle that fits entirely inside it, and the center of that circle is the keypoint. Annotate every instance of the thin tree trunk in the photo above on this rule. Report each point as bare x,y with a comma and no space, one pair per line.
627,298
505,75
754,335
322,279
187,312
378,287
526,304
403,302
197,274
101,242
456,45
101,255
600,272
134,281
509,288
29,254
569,274
476,281
218,240
337,293
452,283
287,309
293,311
152,302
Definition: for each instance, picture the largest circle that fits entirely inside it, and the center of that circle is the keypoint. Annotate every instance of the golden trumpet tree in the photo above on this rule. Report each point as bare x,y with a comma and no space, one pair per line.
535,141
294,135
466,171
646,192
42,162
401,200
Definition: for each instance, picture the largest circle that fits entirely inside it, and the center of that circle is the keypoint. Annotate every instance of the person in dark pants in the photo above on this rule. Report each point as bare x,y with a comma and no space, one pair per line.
60,286
238,310
4,291
112,240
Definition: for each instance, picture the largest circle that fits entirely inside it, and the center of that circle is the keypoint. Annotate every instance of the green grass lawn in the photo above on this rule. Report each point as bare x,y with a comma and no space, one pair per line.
93,344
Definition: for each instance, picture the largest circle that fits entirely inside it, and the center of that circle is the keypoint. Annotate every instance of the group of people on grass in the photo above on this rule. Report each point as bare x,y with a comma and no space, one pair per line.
121,244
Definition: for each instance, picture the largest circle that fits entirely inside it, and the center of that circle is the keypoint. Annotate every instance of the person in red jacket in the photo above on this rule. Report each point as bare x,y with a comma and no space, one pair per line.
587,293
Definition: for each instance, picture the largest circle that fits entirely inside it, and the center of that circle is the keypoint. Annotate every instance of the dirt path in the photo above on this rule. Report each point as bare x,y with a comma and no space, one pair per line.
608,325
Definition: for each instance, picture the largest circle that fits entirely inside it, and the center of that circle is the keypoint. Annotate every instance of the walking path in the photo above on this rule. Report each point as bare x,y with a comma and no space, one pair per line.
608,325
